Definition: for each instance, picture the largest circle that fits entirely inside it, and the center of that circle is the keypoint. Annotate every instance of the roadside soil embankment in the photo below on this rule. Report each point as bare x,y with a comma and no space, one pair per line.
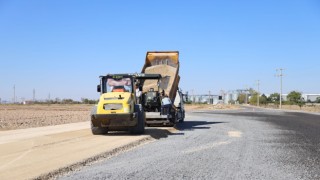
45,152
305,108
195,107
28,116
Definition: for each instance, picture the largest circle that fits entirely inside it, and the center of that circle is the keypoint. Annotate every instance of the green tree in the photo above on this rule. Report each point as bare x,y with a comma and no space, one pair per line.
274,98
294,97
67,101
263,99
242,98
88,101
317,100
254,98
301,102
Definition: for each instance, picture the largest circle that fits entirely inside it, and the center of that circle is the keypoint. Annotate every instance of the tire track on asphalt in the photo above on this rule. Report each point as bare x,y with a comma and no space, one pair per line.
231,134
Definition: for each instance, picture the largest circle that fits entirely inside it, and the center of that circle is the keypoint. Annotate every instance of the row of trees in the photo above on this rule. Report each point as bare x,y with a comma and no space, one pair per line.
66,101
293,98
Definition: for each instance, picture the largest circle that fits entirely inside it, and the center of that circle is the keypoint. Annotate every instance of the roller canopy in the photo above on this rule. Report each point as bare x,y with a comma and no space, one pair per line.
136,76
148,76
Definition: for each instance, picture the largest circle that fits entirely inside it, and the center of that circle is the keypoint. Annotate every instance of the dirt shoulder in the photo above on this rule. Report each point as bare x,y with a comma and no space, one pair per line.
28,116
49,151
195,107
307,108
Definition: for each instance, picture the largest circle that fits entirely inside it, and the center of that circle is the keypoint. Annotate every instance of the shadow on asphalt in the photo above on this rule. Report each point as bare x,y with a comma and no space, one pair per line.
164,132
161,133
156,133
192,125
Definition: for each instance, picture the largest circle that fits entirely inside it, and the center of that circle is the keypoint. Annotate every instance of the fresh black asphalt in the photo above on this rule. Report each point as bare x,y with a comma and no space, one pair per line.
249,143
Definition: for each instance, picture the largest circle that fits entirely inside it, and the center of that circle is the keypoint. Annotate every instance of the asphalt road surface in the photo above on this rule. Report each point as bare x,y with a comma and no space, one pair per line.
239,144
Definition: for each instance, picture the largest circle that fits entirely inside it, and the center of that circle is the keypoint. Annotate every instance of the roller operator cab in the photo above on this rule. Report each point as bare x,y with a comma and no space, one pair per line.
117,109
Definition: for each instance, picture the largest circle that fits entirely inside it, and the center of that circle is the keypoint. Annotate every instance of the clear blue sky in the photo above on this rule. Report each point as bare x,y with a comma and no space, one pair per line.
61,47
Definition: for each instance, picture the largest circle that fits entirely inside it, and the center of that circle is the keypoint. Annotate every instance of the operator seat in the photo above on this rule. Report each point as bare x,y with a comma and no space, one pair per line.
118,89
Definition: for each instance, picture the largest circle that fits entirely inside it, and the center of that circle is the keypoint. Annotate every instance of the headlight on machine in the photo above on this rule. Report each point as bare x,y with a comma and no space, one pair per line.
112,106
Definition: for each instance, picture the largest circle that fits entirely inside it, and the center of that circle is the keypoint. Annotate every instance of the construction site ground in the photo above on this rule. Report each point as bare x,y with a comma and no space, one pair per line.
45,152
41,141
28,116
57,147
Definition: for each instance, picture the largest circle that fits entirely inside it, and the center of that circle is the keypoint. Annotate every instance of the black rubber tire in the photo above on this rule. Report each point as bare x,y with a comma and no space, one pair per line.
182,117
171,124
139,129
175,118
96,130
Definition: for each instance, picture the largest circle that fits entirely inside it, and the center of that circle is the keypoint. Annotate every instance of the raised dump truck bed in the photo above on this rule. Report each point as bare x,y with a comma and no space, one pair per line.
166,64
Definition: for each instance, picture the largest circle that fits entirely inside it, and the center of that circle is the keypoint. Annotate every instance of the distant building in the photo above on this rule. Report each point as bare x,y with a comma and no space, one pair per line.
204,98
232,97
28,102
284,97
310,97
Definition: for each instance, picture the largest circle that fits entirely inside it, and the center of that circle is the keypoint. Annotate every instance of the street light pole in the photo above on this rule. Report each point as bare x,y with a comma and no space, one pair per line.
14,94
258,102
280,75
193,99
281,90
246,101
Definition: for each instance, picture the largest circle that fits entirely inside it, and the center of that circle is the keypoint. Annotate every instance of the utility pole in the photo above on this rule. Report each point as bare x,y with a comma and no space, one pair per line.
14,94
34,95
193,98
223,96
258,103
246,100
280,74
187,96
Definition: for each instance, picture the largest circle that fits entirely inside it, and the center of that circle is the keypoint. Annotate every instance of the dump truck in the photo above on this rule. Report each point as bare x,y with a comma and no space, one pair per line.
118,108
164,64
